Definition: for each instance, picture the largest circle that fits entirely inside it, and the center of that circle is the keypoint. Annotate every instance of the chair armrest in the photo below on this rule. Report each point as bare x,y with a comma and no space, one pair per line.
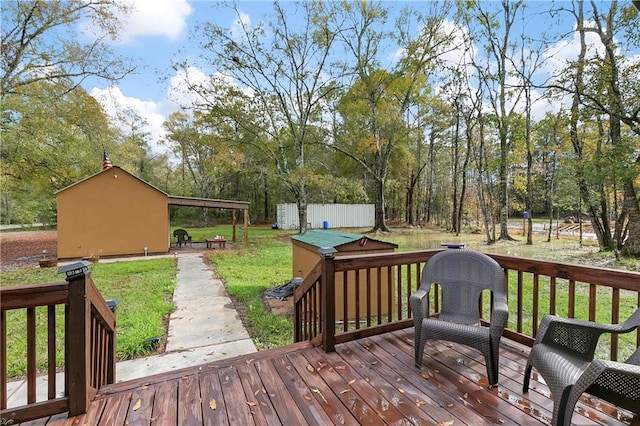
499,316
579,336
419,305
616,382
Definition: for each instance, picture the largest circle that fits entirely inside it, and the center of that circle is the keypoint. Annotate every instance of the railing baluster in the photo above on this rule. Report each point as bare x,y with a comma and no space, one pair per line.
615,319
379,290
592,302
552,296
345,302
357,300
31,355
51,351
368,300
390,293
535,305
572,299
3,360
519,303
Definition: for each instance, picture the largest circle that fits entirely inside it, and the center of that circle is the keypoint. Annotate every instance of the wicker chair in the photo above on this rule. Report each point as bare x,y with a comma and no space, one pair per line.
563,355
462,275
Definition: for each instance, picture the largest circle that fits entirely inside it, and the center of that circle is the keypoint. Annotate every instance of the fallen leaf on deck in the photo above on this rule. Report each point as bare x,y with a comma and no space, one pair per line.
345,391
251,404
449,423
420,403
144,386
136,406
212,404
351,381
308,398
310,368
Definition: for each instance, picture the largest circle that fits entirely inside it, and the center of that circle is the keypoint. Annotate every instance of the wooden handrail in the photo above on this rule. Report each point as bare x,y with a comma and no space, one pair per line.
361,276
89,351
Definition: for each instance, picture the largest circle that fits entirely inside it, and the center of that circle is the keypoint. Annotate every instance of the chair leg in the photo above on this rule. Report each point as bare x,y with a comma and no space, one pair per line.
418,349
527,376
560,408
492,370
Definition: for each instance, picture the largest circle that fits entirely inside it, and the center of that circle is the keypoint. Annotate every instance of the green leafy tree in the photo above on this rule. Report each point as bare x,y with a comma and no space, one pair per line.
40,43
48,143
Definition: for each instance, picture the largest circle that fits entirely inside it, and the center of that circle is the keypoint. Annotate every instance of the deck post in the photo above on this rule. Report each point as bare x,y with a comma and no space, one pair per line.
328,298
77,344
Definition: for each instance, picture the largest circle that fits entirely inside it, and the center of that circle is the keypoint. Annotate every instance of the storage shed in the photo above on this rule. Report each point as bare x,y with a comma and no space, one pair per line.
305,257
111,213
114,213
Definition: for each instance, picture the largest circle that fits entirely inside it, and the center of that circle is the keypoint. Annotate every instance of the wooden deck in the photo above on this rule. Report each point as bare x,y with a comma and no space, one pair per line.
367,381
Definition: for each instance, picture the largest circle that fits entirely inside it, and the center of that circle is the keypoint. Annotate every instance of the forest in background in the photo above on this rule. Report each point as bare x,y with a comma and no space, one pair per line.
315,112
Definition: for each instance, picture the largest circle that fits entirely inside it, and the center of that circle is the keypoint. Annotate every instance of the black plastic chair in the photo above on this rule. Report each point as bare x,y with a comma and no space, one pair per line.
563,354
182,236
463,275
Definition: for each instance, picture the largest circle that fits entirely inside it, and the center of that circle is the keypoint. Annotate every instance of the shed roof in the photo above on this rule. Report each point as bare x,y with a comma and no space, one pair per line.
114,170
325,238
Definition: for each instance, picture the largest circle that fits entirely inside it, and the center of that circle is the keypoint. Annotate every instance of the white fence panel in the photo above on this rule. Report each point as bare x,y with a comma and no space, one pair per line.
328,216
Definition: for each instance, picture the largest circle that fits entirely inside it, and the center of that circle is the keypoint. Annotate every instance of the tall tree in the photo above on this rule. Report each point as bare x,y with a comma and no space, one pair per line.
621,108
495,29
285,69
382,94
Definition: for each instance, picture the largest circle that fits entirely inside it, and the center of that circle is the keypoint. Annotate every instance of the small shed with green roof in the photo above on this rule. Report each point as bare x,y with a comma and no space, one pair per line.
305,257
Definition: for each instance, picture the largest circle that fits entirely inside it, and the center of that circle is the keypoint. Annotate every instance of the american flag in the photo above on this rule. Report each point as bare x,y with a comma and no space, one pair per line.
106,163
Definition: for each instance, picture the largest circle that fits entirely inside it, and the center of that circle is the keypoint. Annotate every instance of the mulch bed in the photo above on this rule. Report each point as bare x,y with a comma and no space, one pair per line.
25,249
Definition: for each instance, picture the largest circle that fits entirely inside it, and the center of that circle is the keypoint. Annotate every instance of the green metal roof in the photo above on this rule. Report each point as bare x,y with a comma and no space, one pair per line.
324,238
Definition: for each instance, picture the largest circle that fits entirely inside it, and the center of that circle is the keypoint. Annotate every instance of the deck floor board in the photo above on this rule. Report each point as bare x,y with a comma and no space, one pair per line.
370,381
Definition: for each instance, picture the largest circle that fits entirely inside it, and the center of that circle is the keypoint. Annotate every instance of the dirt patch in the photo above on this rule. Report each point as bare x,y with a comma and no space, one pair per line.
282,307
25,249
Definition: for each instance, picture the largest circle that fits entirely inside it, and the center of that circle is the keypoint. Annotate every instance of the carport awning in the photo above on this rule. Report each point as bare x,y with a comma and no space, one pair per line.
207,202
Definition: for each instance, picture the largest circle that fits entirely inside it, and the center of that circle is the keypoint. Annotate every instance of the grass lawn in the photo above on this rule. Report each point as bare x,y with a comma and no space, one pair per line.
249,272
144,290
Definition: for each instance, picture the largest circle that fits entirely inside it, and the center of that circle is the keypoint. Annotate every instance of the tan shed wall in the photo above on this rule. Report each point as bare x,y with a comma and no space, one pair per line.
305,257
109,216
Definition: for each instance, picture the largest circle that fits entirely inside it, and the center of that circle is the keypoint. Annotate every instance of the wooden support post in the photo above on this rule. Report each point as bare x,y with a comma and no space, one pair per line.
233,221
328,298
246,227
77,341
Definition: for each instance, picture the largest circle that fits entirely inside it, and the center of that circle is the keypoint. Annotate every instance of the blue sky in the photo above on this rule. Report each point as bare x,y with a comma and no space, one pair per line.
160,31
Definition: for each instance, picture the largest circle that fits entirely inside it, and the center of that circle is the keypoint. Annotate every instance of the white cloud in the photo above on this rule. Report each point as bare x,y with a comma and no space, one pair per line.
119,108
154,18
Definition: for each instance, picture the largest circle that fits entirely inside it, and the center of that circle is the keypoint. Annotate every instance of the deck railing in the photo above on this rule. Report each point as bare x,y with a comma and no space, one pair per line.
88,333
349,297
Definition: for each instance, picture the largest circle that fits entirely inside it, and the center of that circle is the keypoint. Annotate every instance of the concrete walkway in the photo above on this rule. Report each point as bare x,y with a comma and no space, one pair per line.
204,327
